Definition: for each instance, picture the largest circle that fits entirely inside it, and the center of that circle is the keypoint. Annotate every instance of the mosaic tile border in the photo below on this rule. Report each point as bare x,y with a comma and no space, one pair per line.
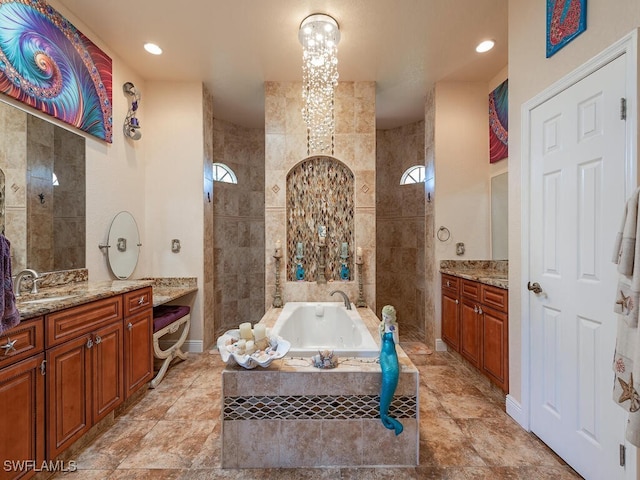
315,407
320,191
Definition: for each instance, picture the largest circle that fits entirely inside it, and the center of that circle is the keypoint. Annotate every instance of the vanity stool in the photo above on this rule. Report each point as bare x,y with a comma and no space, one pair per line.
168,319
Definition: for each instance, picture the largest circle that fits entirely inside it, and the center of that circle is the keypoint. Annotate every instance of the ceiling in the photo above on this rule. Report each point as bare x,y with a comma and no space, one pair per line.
233,46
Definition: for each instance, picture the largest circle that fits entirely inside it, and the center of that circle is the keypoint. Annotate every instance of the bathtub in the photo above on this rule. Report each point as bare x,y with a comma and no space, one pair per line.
313,326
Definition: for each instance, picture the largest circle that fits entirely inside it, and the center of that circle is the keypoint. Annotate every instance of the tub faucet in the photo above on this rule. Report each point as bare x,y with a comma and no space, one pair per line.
28,273
345,297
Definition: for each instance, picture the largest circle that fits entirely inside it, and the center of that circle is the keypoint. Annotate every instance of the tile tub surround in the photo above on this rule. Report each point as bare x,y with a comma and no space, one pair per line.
294,415
490,272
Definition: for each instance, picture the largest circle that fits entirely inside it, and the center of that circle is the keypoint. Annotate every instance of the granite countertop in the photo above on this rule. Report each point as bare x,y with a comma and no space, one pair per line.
489,272
59,297
72,294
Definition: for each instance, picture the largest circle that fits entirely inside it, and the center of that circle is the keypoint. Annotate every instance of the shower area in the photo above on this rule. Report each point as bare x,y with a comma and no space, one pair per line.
392,223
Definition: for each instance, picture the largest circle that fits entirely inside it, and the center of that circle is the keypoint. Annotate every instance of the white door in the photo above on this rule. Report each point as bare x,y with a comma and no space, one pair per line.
576,205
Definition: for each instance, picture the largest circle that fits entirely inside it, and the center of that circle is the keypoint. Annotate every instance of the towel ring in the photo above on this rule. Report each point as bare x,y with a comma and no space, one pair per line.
443,234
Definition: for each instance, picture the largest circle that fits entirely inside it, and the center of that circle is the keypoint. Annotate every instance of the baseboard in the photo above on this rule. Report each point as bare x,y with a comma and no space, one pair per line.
441,346
193,346
514,410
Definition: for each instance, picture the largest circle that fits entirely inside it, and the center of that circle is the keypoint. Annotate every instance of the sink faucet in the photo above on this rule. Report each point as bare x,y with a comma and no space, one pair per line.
345,297
26,273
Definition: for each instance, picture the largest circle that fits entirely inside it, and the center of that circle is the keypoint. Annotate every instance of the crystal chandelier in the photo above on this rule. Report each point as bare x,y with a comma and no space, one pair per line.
319,35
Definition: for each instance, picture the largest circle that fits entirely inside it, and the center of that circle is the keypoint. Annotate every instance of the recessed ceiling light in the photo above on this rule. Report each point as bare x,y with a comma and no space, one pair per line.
485,46
152,48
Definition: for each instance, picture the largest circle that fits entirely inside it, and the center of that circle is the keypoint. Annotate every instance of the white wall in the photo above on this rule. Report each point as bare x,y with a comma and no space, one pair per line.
159,178
115,172
462,183
174,184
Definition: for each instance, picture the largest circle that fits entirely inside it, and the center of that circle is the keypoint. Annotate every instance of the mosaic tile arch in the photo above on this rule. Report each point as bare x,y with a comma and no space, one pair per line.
320,192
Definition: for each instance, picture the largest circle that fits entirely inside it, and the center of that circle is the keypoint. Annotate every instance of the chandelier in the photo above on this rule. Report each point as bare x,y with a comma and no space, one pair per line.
319,35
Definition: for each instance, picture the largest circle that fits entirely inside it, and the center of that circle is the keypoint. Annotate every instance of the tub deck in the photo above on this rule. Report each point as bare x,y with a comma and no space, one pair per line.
291,414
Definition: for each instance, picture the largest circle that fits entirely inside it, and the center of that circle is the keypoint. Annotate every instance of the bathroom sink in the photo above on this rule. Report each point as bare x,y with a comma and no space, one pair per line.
45,299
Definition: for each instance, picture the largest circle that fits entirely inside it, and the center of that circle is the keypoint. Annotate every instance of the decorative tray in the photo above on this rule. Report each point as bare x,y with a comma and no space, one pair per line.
278,348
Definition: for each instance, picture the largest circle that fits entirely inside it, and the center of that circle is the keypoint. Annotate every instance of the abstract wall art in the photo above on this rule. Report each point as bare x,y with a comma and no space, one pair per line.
46,63
499,122
566,19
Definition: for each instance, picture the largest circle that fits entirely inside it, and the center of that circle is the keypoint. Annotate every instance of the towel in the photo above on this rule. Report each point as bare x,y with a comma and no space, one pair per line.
10,315
626,358
626,255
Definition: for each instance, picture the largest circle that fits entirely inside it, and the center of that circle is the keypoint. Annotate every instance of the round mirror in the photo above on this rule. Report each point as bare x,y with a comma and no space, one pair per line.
124,245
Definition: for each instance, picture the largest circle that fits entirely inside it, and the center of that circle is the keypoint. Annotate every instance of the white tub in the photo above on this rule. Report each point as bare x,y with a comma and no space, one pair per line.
313,326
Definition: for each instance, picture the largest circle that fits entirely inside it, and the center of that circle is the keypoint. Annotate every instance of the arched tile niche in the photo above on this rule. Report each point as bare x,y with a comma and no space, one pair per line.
320,192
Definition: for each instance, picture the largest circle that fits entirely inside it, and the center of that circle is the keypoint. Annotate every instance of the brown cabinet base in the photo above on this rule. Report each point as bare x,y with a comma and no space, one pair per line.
475,323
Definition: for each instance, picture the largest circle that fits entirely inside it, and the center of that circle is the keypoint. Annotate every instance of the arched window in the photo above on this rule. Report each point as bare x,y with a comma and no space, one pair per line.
413,174
222,173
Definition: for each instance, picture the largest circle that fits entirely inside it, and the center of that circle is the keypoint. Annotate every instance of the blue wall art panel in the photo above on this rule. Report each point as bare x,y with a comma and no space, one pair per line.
46,63
566,19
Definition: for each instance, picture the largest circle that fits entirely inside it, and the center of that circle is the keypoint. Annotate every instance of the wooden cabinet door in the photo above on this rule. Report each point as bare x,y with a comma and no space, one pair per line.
138,350
108,370
69,393
451,321
470,331
495,343
21,417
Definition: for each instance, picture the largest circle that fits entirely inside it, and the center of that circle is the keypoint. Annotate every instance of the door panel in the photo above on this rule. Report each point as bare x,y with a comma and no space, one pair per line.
578,149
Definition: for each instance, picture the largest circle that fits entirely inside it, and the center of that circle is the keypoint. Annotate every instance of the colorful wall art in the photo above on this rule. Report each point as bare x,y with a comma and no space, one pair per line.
566,19
499,122
46,63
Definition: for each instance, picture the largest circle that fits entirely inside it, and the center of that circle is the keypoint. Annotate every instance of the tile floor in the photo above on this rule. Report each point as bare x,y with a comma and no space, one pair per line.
174,432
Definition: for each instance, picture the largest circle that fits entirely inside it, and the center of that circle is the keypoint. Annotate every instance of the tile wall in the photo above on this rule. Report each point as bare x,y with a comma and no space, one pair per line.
400,222
238,227
285,147
208,293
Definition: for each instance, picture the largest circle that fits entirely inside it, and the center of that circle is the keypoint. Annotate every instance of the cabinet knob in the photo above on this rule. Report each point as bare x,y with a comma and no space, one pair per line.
475,308
129,326
141,301
98,339
89,343
448,283
457,301
480,310
10,346
43,367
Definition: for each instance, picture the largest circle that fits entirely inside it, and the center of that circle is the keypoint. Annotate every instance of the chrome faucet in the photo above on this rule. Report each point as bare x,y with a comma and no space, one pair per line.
345,297
26,273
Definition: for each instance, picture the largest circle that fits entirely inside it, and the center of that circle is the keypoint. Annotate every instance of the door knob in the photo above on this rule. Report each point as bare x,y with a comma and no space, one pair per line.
534,287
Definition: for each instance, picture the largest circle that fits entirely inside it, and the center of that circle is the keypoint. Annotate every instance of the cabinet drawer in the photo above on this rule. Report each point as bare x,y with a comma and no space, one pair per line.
22,341
137,301
495,297
450,284
73,322
470,289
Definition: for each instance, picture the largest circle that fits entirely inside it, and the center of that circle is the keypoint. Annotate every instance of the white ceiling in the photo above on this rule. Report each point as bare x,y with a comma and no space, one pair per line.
233,46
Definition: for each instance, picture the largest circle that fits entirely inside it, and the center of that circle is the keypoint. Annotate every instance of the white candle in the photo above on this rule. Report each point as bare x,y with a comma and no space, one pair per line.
242,345
245,331
299,250
359,255
278,249
250,347
345,250
259,331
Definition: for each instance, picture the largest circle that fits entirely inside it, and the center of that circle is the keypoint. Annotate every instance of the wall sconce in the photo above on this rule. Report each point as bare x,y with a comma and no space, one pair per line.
131,126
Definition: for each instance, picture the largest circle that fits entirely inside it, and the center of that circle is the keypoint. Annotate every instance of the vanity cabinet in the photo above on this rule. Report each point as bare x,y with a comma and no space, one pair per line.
22,398
84,369
138,334
475,324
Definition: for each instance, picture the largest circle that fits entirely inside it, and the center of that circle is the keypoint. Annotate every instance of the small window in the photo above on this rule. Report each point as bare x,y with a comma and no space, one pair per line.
413,174
222,173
